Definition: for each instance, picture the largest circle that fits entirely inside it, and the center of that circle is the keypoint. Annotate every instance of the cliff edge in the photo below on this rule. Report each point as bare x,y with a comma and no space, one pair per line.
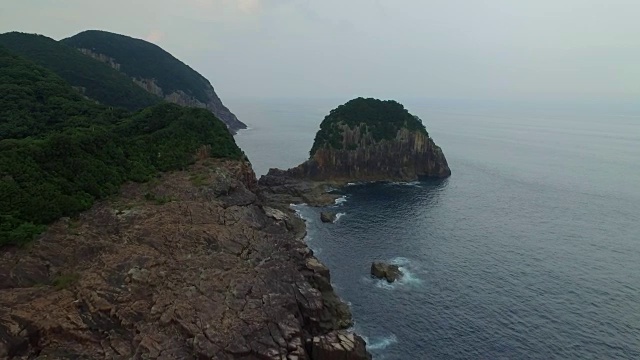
190,266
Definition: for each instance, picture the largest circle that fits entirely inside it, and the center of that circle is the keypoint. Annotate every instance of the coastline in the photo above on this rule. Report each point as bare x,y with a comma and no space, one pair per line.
194,263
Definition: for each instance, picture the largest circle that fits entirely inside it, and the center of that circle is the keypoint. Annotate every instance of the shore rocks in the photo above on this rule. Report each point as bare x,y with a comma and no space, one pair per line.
213,273
328,216
339,345
382,270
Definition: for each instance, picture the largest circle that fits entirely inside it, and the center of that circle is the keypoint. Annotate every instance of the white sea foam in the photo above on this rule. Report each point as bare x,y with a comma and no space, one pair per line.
341,200
402,183
400,261
339,215
407,268
356,183
379,343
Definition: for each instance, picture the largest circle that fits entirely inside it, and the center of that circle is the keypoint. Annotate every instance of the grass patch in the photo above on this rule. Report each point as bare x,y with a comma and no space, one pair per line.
160,200
199,179
64,281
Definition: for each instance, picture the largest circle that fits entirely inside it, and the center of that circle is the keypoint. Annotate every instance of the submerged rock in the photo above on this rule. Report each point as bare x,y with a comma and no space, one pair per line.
382,270
328,216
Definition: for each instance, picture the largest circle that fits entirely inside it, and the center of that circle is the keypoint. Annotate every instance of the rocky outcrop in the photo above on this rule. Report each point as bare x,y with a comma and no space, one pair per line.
410,156
278,186
102,58
192,265
369,140
385,271
327,216
214,104
339,345
180,97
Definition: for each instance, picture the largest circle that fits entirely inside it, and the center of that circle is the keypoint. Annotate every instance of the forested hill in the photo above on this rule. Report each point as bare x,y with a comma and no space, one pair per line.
94,79
154,69
59,152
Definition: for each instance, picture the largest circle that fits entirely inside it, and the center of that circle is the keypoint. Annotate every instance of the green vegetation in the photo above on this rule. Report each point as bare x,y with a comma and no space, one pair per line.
94,79
199,179
144,60
64,281
34,101
60,152
383,119
159,200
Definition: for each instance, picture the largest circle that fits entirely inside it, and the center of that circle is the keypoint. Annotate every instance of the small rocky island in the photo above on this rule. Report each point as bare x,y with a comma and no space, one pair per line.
371,140
362,140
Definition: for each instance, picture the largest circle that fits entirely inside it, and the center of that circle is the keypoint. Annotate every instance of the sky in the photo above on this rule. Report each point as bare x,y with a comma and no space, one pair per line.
584,50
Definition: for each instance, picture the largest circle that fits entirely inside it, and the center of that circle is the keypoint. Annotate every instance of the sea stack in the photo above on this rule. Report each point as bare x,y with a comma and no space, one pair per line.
371,140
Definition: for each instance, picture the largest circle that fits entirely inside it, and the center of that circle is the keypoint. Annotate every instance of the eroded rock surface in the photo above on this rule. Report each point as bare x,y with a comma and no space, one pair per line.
192,265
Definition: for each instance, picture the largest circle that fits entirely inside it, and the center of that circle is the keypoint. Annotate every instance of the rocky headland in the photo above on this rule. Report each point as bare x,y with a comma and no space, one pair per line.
205,261
193,264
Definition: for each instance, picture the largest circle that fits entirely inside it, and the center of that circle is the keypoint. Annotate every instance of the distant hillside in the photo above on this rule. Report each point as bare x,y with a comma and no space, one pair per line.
60,152
155,70
92,78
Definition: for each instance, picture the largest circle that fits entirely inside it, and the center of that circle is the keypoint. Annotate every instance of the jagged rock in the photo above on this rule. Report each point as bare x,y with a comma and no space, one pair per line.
327,216
206,275
339,345
386,271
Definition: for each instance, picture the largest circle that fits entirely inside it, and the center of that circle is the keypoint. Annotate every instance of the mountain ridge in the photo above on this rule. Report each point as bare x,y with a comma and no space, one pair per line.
91,78
155,70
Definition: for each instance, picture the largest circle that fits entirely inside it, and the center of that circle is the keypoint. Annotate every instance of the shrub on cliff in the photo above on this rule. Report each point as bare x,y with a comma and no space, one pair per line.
59,152
383,119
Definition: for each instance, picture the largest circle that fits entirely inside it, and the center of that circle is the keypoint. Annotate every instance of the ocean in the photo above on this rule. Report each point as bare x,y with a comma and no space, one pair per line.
530,250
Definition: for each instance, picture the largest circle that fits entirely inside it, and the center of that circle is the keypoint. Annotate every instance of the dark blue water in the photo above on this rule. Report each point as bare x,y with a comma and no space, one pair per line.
530,250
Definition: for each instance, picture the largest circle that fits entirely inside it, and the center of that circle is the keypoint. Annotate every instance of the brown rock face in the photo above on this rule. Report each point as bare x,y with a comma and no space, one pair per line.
385,271
327,217
410,156
191,266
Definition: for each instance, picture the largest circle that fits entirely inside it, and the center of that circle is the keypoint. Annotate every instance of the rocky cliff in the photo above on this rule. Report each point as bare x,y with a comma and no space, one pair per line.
191,265
155,70
369,140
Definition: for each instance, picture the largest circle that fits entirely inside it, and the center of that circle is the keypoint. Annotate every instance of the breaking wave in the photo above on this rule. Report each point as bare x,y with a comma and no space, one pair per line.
380,343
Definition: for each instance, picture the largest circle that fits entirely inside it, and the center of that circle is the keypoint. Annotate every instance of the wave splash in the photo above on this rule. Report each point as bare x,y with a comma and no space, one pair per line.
380,343
341,200
408,278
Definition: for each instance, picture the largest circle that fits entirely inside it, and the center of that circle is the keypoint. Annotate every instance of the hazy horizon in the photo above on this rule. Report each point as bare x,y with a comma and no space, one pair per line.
574,50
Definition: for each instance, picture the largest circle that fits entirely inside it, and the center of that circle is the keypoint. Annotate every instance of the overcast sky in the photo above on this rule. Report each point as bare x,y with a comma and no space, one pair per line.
478,49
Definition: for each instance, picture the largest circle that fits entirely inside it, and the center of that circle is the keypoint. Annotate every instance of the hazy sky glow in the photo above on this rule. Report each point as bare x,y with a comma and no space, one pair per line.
477,49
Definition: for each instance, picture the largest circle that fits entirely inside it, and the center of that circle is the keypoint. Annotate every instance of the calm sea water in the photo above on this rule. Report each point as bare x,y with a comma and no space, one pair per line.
531,250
